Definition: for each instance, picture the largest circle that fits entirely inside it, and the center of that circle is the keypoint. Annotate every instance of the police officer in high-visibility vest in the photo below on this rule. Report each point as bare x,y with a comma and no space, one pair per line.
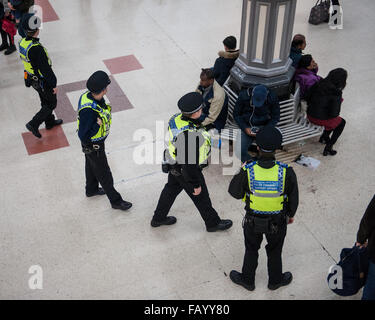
94,122
39,75
270,191
187,154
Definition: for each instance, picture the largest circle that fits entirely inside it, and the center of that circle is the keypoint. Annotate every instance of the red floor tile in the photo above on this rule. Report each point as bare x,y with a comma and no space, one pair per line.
122,64
51,140
49,14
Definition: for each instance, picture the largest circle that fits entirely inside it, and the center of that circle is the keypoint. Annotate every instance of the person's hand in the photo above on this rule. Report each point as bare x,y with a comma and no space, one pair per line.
10,6
290,220
249,132
99,122
54,90
197,191
361,245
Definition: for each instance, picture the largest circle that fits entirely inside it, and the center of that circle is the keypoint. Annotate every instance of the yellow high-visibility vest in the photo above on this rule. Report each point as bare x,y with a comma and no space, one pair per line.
178,126
267,188
104,114
25,46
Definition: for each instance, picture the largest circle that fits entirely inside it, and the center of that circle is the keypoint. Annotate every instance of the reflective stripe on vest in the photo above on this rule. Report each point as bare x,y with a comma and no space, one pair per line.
105,116
24,47
177,126
266,188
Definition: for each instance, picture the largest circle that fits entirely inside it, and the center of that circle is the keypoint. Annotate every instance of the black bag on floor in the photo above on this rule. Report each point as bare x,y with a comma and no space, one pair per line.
320,12
354,264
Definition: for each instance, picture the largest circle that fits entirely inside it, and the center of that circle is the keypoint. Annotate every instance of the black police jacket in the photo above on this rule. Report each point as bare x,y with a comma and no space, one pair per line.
239,186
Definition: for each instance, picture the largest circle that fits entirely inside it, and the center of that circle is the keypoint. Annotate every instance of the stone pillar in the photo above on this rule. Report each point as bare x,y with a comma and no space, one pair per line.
266,35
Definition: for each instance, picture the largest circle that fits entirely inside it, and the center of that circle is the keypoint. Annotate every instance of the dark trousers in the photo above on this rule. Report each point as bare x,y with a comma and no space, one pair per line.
203,202
98,171
48,102
336,133
5,37
274,249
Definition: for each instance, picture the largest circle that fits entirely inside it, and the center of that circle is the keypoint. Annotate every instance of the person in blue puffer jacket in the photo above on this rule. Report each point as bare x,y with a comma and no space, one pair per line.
255,107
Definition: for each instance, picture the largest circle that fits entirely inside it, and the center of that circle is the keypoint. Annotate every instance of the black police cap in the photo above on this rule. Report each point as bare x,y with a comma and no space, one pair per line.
269,139
190,103
98,81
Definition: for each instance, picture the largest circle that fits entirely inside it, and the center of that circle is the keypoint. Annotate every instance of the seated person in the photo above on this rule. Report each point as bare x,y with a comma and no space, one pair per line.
298,44
324,101
215,101
255,107
226,60
306,74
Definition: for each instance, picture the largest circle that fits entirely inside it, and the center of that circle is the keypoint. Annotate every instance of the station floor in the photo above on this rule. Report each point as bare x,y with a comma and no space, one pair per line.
154,51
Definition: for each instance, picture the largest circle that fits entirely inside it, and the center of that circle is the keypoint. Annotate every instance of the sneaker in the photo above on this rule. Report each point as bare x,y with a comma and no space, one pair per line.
287,279
10,50
222,225
237,278
166,222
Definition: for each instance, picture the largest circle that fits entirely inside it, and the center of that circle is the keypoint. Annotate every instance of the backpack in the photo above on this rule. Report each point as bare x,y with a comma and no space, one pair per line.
354,264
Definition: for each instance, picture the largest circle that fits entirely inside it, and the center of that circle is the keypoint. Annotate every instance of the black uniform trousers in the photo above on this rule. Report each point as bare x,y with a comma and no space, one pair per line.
203,202
274,248
48,102
98,171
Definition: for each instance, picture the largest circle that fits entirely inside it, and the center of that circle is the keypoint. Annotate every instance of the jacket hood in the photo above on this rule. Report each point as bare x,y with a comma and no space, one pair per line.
233,54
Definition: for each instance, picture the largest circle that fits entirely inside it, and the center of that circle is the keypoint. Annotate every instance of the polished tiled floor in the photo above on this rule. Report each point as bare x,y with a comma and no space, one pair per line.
88,250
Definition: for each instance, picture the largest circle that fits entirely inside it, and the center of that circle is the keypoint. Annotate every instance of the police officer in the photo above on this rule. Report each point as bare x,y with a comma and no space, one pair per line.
94,121
38,74
188,152
270,191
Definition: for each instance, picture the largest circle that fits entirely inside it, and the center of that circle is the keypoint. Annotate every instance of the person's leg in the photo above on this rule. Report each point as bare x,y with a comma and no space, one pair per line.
4,40
204,205
274,249
167,197
335,135
48,103
242,146
92,184
369,289
99,165
12,48
325,137
252,245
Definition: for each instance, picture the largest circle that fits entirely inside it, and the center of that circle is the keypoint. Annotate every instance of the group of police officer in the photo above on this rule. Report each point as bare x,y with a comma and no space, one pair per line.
268,187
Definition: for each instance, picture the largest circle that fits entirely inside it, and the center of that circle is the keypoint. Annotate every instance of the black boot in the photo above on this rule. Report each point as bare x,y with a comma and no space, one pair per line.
10,50
287,278
33,130
237,278
329,151
166,222
4,46
56,123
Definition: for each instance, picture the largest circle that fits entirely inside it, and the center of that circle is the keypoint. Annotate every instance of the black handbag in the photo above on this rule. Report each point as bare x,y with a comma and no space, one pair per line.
320,12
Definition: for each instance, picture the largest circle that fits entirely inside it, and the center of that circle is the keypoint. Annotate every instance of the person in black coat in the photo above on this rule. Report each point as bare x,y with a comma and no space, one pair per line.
226,60
324,101
366,238
255,107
